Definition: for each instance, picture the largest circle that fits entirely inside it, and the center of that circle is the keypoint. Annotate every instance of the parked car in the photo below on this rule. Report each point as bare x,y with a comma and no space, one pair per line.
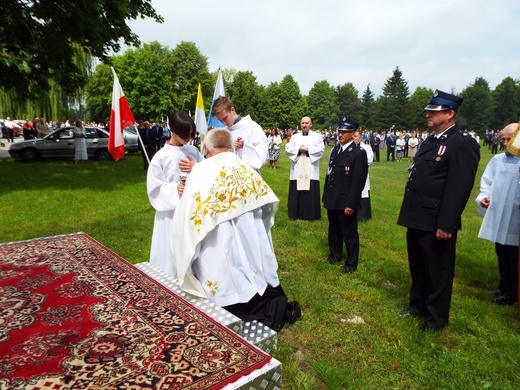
60,144
131,139
17,128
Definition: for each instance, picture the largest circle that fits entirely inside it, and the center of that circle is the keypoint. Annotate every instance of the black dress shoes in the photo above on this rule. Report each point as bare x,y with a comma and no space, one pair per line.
431,328
505,300
293,312
332,260
407,313
347,270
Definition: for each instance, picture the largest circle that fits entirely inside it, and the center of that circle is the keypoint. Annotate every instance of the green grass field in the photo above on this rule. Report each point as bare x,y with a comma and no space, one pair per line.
480,349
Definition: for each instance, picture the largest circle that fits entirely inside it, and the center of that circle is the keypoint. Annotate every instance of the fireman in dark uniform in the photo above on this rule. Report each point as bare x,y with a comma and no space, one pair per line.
436,193
346,175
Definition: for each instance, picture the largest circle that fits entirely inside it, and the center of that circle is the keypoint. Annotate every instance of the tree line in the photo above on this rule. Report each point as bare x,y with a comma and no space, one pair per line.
158,80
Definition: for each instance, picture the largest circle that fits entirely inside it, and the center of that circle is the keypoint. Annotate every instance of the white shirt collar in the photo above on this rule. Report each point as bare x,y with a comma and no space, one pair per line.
441,134
343,147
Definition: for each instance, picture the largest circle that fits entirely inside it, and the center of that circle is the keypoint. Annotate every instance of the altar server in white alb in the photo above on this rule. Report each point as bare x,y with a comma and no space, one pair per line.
250,142
165,186
305,150
365,211
499,202
222,245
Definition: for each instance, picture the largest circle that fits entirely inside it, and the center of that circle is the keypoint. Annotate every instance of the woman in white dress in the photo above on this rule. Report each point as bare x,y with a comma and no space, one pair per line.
80,143
413,143
167,172
274,148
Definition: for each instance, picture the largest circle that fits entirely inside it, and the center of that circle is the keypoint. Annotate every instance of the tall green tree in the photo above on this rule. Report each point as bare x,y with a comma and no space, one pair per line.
506,103
245,93
146,77
99,93
284,104
348,101
366,111
189,67
228,75
292,103
156,81
418,101
394,104
38,39
272,106
323,105
477,106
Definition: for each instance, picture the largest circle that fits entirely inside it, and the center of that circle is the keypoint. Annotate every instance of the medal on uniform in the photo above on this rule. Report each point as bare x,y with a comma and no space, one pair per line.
441,151
347,169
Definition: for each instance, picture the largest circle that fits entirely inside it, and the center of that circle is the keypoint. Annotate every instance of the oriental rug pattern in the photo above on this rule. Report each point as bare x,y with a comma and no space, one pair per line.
74,315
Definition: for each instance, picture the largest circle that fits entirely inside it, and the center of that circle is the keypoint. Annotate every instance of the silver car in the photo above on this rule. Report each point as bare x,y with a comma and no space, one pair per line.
131,139
60,144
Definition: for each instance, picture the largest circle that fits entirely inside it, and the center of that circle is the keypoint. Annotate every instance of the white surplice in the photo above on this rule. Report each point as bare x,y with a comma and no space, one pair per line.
501,184
370,158
256,145
223,222
314,143
162,179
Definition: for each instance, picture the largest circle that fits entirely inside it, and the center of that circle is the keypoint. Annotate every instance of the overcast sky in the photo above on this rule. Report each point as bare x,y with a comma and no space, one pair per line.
436,44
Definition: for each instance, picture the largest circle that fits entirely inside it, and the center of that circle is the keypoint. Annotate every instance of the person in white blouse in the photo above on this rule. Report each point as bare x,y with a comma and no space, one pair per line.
80,143
413,143
274,148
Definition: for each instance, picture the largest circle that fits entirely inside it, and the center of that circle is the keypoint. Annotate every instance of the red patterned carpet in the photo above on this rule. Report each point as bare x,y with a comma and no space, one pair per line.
74,315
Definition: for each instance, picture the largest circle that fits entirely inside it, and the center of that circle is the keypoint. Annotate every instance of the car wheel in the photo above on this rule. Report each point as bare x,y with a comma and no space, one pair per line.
103,155
30,155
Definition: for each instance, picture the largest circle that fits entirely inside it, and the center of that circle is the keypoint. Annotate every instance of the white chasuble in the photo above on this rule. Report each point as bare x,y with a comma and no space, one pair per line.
221,243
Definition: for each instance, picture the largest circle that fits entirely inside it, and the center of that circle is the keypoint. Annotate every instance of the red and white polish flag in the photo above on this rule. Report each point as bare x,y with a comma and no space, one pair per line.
120,117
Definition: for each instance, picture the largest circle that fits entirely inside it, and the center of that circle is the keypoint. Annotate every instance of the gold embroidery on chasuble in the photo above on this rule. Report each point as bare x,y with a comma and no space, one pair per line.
234,186
213,287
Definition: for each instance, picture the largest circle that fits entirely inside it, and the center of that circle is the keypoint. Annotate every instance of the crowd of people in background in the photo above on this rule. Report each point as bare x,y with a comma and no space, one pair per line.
169,156
378,140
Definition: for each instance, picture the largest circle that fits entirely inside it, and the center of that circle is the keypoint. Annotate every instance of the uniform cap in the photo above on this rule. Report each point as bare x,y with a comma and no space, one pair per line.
347,124
442,101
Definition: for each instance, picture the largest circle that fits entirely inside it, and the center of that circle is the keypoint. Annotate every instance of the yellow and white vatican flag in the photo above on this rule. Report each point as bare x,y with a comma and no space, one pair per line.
200,115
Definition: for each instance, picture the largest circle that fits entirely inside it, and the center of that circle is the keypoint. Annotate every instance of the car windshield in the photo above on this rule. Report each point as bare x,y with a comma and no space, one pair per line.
130,129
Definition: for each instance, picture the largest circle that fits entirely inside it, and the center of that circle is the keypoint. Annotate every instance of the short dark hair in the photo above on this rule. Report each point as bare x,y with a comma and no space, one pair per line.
182,125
